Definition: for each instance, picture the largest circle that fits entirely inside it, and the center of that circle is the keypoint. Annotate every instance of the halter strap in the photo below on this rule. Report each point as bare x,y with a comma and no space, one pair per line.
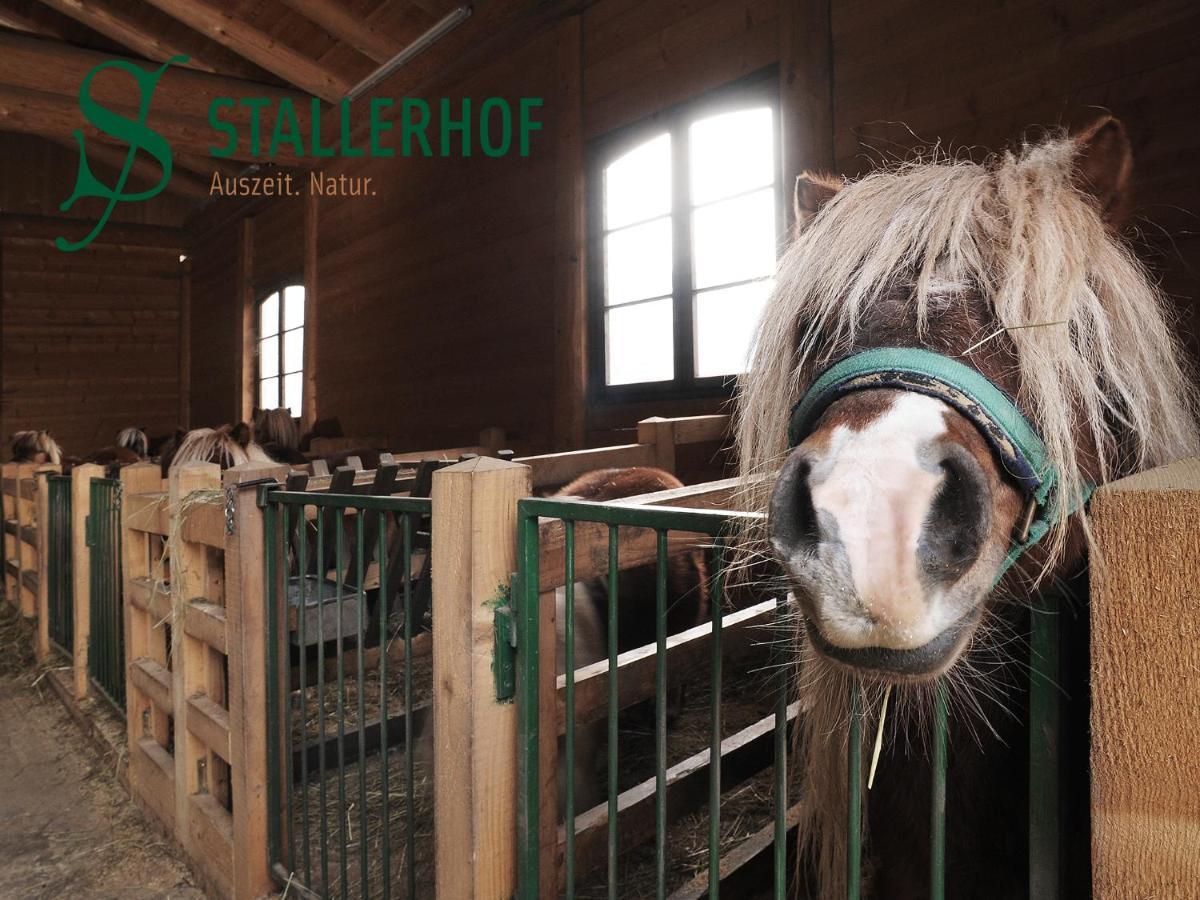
1012,438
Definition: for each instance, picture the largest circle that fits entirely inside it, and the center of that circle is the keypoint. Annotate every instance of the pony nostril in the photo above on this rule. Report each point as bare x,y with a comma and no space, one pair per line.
792,519
957,523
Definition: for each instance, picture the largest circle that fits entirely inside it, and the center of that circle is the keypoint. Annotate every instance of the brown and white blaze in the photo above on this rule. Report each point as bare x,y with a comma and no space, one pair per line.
892,520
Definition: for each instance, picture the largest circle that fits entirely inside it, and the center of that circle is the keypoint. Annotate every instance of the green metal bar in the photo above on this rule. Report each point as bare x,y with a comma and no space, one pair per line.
274,838
528,823
569,663
360,637
660,717
614,572
287,724
717,611
854,798
1044,726
343,814
666,518
301,627
937,825
322,792
779,845
410,791
385,849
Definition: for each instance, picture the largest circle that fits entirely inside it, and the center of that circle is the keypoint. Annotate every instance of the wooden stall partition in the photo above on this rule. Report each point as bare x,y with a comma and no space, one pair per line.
10,533
245,620
26,538
1145,610
475,737
149,698
43,537
81,556
657,439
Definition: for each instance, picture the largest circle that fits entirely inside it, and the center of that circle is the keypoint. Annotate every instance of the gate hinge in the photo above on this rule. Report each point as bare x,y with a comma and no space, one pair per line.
503,663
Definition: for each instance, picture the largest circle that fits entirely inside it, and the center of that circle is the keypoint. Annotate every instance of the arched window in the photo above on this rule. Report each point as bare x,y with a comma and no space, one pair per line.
281,349
685,225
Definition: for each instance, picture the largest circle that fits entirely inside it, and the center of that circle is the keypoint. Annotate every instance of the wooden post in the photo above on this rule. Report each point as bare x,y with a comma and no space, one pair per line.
492,439
245,288
192,668
805,91
42,493
26,552
246,617
474,545
312,286
8,495
81,565
1145,639
660,433
185,343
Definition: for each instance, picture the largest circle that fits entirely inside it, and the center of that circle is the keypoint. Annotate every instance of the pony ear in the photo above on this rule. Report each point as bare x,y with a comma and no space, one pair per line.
1103,166
241,435
813,191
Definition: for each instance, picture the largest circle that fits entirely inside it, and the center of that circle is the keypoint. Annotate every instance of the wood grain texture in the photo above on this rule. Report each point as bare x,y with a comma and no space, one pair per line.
1145,610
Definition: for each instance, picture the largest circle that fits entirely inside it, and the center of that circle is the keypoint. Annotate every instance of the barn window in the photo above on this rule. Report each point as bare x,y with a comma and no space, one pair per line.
281,349
685,223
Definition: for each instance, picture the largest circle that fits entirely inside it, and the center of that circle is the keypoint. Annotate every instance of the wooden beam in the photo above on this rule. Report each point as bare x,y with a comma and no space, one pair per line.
47,228
127,30
182,181
805,90
312,287
345,26
227,29
11,17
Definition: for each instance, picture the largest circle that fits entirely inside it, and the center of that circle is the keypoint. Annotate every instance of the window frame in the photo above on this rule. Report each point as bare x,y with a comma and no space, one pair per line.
263,294
760,88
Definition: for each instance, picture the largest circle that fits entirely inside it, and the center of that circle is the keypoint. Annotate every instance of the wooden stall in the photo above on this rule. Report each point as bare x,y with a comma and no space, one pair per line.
22,541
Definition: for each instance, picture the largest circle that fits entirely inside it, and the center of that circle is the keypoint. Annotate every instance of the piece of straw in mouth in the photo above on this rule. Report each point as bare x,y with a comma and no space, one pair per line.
878,738
1000,331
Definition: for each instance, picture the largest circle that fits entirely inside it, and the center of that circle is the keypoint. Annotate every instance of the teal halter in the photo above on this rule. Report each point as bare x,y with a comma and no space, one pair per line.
1012,438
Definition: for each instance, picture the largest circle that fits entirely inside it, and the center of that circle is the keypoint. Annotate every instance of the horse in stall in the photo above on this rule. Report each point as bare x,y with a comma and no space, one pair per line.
687,606
132,446
277,434
953,355
227,446
35,447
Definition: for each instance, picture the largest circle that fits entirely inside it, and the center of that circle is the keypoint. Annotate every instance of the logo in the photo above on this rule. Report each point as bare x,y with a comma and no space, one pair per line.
133,132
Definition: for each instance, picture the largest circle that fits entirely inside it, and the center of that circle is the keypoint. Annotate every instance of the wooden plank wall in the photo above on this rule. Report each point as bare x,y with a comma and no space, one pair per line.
91,339
215,326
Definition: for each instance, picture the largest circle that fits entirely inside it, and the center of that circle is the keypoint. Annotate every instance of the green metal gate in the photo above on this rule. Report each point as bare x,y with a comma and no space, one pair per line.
347,578
59,568
532,513
106,635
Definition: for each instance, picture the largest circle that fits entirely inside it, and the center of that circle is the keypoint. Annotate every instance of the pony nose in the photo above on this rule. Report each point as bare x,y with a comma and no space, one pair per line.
959,517
791,517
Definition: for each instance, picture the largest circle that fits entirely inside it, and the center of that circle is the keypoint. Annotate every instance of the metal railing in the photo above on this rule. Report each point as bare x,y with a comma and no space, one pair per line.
60,604
708,526
351,815
106,636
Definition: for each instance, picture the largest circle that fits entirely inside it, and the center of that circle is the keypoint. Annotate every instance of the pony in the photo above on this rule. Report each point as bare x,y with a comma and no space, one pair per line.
134,439
277,434
892,516
132,446
35,447
687,606
228,446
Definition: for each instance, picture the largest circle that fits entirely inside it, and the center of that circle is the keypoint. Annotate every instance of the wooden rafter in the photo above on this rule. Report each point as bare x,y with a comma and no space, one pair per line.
354,30
125,30
182,181
11,17
257,46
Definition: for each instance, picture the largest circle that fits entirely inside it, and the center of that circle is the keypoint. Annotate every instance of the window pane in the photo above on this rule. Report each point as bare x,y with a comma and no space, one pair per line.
268,316
734,240
725,322
268,359
293,350
637,186
293,306
731,153
638,262
640,345
268,393
293,386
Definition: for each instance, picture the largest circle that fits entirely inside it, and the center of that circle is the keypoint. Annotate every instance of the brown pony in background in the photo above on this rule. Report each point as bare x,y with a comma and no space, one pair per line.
35,447
227,446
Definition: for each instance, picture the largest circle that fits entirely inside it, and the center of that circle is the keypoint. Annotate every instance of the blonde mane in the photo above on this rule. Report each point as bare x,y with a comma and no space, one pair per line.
26,444
216,445
278,427
1019,232
134,439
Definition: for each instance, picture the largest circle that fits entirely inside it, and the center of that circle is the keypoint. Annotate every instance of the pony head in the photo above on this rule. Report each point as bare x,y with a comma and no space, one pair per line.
892,516
276,426
134,438
227,446
35,447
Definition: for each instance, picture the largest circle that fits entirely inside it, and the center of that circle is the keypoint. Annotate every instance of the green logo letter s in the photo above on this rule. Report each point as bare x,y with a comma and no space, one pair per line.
134,133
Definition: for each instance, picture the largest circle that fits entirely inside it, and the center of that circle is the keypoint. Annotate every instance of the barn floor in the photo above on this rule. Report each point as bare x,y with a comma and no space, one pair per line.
67,828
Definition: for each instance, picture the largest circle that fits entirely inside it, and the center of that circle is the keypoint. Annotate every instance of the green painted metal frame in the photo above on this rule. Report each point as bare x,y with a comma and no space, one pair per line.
60,587
279,508
662,520
106,626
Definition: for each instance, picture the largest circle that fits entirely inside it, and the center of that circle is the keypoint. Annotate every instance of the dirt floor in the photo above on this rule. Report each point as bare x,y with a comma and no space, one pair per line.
67,827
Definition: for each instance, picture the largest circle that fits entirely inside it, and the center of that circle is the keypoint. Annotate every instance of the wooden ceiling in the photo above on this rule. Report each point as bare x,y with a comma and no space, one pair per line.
235,47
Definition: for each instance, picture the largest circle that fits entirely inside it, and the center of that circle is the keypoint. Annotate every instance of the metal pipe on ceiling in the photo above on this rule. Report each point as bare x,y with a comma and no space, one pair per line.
435,33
